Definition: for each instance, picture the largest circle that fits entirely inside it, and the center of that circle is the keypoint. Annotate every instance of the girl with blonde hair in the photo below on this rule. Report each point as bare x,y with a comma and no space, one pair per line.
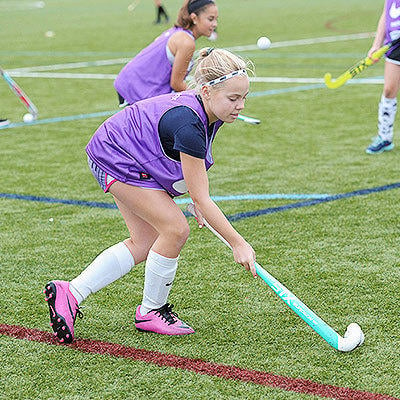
145,155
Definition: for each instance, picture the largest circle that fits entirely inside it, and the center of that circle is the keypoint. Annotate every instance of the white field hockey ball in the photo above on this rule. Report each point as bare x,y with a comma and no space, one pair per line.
28,118
263,43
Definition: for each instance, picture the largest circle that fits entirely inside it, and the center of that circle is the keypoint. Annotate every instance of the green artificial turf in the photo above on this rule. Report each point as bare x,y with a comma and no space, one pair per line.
340,258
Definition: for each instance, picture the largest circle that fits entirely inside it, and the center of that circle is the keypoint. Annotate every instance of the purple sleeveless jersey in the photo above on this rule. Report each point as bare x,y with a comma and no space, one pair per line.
149,73
392,19
127,145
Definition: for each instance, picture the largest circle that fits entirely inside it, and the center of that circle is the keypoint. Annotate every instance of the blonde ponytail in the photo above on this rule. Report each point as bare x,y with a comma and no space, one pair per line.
216,63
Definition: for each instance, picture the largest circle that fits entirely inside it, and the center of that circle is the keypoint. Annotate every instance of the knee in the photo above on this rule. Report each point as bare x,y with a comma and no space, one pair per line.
179,232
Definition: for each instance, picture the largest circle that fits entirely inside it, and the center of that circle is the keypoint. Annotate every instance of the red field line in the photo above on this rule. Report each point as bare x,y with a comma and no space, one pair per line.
198,366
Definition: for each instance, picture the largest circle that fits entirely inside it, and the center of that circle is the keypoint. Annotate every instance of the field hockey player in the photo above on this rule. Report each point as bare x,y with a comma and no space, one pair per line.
144,156
387,31
162,66
160,11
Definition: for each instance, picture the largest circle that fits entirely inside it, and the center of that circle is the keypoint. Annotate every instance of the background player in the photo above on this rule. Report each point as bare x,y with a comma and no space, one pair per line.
163,65
388,30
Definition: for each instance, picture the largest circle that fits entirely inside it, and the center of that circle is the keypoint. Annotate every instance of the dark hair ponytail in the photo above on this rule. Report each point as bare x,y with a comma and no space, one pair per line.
184,20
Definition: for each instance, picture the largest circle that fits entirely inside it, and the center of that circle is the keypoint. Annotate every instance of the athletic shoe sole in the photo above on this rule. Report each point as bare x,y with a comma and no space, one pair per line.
57,322
162,322
166,334
386,148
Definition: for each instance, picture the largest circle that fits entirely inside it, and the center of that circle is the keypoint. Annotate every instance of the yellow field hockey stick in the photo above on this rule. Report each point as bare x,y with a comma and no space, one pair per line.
357,68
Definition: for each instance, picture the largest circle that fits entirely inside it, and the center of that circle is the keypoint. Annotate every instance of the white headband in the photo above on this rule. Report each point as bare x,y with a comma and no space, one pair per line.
225,77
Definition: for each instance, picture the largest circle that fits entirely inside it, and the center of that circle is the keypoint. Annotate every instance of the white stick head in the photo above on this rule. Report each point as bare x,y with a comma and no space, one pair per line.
353,338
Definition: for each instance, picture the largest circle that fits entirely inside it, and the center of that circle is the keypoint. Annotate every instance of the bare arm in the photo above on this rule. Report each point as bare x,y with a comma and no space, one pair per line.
379,36
196,179
182,47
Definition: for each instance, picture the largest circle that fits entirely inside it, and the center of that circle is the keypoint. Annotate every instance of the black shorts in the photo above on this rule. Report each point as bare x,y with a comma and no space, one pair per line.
393,55
121,100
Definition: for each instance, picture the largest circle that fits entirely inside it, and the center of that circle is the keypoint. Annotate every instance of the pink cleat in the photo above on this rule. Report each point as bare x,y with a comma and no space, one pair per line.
162,321
63,309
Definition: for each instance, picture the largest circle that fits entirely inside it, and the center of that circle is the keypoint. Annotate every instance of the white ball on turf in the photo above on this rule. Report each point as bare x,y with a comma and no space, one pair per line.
28,117
263,43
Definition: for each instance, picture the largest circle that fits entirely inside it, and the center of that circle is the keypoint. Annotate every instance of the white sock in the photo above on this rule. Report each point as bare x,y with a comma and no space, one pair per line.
159,275
110,265
386,115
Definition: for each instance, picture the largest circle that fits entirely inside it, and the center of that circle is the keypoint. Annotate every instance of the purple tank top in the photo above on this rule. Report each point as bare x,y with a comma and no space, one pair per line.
392,15
149,73
127,145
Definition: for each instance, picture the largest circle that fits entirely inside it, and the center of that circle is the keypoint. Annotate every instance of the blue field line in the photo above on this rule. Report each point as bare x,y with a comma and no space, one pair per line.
95,204
60,119
272,210
234,217
14,196
271,196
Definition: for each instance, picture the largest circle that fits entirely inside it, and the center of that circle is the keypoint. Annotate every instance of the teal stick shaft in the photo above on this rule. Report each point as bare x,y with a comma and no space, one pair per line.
295,304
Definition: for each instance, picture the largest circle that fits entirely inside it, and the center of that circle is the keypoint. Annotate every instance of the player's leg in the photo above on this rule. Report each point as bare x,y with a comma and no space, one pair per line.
387,110
157,3
156,208
116,261
111,264
64,297
160,11
163,12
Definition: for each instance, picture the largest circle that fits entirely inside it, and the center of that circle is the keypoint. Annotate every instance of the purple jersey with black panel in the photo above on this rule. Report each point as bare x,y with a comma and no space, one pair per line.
127,145
149,73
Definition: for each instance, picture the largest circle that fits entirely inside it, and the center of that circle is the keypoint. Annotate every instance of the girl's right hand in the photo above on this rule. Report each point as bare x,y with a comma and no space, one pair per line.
371,51
244,254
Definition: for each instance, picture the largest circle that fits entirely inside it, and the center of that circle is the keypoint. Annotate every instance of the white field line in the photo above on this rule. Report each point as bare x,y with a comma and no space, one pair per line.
21,5
282,79
67,75
83,64
258,79
116,61
300,42
59,75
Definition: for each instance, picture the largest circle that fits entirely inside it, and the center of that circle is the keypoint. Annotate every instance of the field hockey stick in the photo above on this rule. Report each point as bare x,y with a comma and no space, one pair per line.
357,68
133,5
353,336
249,120
20,93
